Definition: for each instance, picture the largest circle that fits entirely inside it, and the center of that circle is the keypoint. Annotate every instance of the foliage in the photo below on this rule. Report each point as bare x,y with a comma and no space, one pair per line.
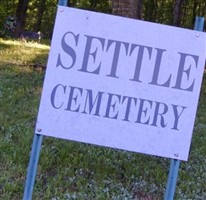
160,11
70,170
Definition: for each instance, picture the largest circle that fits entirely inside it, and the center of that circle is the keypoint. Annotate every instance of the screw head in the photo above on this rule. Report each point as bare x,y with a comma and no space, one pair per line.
39,130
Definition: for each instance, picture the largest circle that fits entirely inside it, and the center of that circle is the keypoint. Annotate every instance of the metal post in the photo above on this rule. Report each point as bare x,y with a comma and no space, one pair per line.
62,3
35,152
172,179
174,166
199,23
33,164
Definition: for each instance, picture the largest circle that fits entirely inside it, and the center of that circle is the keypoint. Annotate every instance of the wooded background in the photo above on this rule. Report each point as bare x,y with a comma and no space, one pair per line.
39,15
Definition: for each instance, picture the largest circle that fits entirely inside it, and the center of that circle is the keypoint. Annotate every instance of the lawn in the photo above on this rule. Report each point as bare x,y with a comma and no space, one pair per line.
70,170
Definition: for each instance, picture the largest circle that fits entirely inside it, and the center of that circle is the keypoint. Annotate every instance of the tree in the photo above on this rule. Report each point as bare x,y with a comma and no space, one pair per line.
177,12
126,8
139,9
20,17
41,8
150,10
7,9
35,15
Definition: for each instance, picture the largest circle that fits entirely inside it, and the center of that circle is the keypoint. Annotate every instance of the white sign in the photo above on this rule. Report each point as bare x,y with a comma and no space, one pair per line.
122,83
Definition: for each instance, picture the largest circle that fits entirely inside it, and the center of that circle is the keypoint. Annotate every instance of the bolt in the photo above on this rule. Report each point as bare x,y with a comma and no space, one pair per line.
39,130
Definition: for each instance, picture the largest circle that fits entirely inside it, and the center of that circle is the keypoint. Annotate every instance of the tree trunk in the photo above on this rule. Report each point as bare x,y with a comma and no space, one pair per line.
159,11
139,9
20,17
93,4
41,9
184,11
126,8
177,12
150,10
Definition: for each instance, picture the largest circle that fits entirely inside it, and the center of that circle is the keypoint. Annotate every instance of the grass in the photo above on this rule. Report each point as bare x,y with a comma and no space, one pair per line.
70,170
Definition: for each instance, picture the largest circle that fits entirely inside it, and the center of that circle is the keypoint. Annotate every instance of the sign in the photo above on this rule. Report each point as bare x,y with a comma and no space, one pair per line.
122,83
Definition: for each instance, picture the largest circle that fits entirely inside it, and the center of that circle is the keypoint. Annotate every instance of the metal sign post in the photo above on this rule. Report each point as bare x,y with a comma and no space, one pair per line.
174,166
62,2
172,179
35,152
199,24
33,164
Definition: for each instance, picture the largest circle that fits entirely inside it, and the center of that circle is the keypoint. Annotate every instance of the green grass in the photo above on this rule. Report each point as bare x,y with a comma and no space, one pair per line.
70,170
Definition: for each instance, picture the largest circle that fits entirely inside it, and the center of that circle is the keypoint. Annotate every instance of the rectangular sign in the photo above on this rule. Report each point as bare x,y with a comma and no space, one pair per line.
122,83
